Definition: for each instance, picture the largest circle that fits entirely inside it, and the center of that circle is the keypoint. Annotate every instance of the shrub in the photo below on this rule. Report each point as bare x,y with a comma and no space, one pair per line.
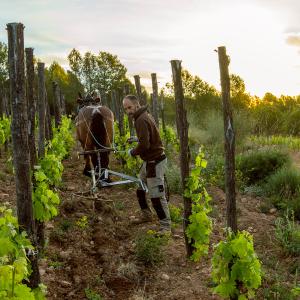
284,189
149,248
288,233
257,166
285,183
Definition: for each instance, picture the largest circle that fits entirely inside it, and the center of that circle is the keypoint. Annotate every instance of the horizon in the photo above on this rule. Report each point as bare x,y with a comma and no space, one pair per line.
262,37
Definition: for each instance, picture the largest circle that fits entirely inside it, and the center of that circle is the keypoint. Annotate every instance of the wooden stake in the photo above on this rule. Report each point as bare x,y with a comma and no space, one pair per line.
19,132
182,130
31,106
121,112
42,108
130,122
229,141
57,103
155,108
139,90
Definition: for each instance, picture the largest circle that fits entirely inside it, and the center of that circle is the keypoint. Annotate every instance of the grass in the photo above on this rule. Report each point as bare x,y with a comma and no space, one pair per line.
288,233
290,142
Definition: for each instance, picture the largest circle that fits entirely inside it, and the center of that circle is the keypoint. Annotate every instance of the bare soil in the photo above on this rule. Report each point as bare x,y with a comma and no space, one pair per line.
98,254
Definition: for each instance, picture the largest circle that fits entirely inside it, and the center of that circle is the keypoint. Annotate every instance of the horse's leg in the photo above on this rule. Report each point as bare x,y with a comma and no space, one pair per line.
104,160
87,167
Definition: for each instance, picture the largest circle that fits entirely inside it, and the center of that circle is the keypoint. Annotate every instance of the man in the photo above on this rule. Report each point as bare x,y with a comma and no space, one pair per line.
151,151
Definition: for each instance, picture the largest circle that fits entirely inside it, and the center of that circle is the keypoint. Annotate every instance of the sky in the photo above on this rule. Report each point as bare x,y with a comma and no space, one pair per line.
262,37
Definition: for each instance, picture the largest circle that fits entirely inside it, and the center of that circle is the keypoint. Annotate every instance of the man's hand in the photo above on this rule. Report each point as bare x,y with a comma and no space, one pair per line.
129,152
132,139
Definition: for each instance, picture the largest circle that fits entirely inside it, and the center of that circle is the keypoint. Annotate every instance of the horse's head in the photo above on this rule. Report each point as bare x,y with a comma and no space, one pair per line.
89,99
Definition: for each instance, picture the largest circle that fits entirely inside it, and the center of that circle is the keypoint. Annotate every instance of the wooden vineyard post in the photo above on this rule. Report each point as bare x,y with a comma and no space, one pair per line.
121,112
42,110
130,122
19,132
162,111
48,125
182,130
31,106
57,104
229,141
151,103
41,143
62,102
155,108
139,89
115,104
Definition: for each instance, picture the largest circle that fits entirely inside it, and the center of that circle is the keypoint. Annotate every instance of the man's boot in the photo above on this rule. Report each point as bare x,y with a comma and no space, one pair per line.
146,214
162,210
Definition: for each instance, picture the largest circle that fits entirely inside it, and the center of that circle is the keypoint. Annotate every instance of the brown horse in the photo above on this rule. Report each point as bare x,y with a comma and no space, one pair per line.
94,127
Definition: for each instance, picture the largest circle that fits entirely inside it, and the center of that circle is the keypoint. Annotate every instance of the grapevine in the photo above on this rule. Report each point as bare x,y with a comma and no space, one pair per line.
14,266
49,172
131,164
235,267
200,225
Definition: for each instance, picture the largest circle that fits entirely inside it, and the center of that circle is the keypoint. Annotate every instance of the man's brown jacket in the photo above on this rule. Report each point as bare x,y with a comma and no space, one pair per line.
150,146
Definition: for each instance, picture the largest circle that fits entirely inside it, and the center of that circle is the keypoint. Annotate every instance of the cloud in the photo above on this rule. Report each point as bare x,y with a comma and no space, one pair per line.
293,40
49,59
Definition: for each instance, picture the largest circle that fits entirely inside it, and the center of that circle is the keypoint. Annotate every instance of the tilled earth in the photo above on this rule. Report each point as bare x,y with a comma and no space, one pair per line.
91,244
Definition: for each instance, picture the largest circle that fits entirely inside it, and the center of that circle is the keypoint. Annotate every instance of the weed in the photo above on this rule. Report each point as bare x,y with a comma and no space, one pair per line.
149,248
128,270
92,295
175,214
287,233
119,205
56,264
82,222
65,225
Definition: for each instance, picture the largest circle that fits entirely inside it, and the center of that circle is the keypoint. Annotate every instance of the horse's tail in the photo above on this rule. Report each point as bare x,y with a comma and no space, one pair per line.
98,130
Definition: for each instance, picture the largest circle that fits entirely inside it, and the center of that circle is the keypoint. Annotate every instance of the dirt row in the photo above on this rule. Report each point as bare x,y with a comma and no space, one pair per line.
91,244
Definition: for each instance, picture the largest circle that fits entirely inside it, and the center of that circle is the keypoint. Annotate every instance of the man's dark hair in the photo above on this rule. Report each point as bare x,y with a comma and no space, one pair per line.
132,98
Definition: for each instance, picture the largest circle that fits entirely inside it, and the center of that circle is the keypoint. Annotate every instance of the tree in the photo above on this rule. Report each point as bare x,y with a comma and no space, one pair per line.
269,98
194,86
68,83
237,85
103,72
239,98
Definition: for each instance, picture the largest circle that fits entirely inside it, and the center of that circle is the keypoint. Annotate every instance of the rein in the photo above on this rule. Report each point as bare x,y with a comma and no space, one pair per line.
107,135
